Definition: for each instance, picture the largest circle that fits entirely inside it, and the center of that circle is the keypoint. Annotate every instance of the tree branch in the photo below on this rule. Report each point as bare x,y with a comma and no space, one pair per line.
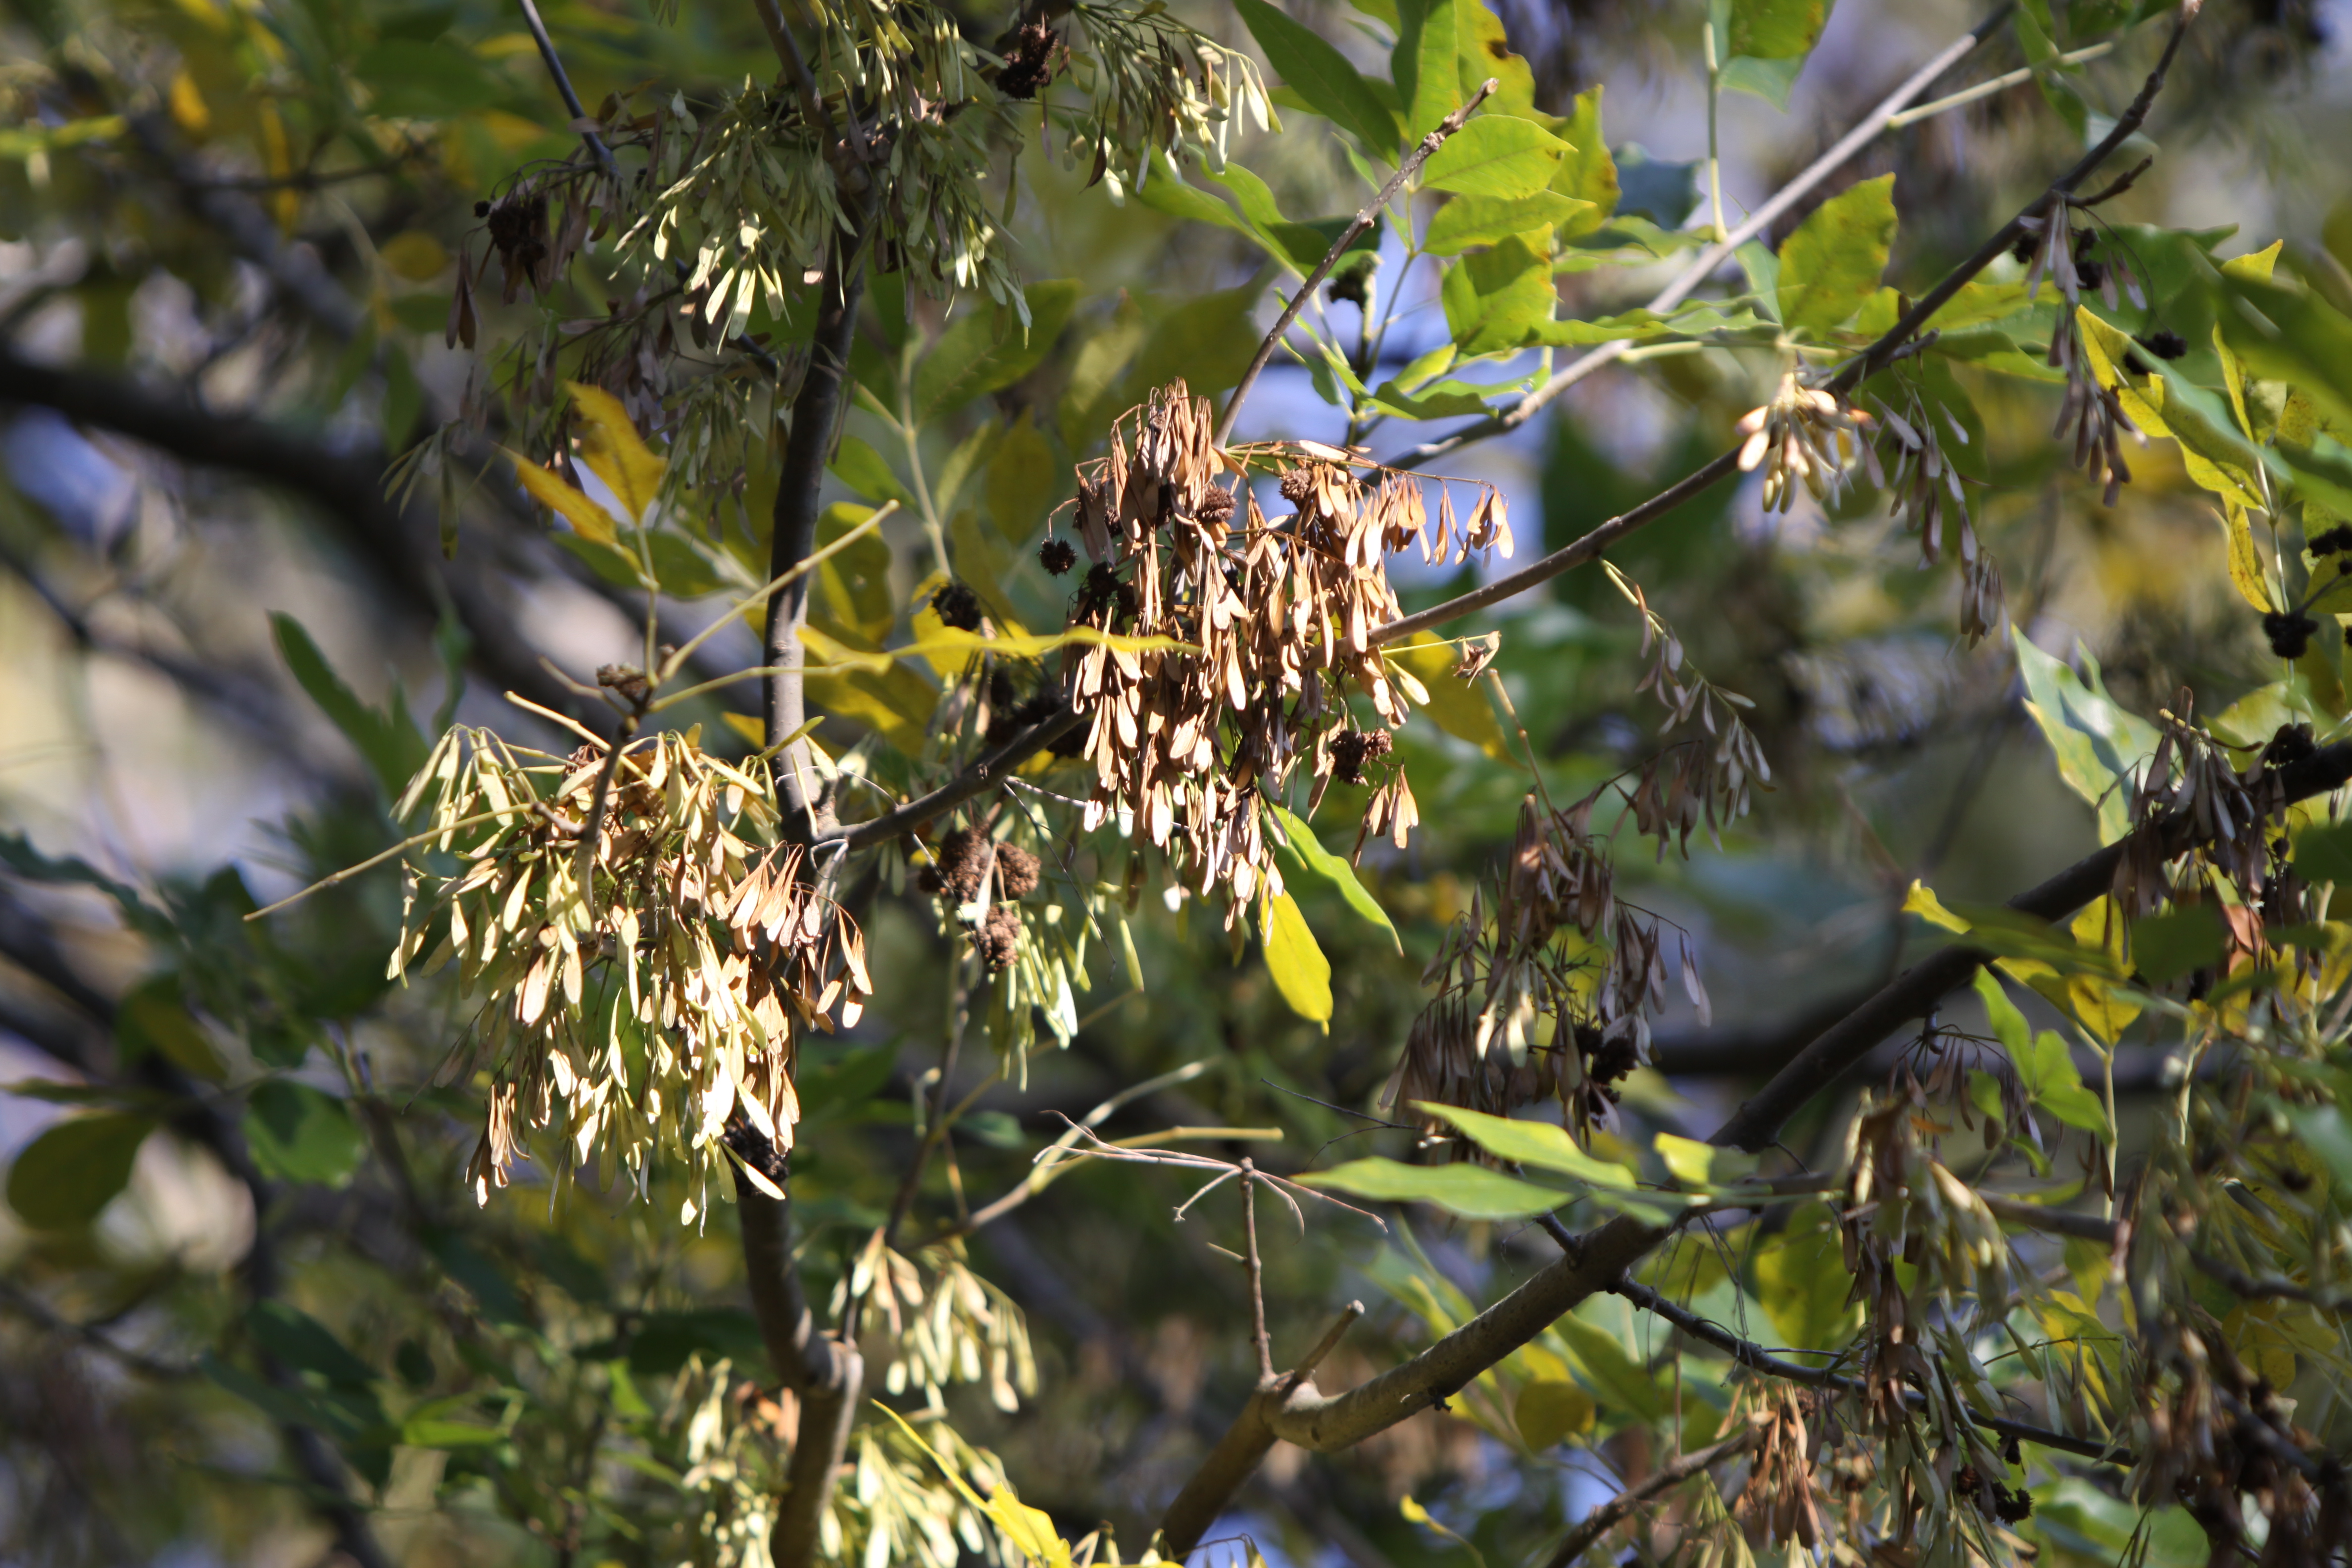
346,488
1756,1358
1704,265
28,943
1868,363
1410,166
1915,992
1300,1413
1666,1477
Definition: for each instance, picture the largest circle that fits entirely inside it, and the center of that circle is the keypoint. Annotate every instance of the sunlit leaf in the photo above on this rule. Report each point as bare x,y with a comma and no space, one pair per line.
1300,971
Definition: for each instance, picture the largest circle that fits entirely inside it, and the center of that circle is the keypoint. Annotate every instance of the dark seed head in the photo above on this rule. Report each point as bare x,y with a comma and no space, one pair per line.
1058,556
957,605
1296,486
2289,634
999,938
2335,539
1017,871
481,209
2165,345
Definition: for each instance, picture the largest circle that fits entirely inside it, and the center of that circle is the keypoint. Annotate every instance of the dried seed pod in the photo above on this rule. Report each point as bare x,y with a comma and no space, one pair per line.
1017,871
999,938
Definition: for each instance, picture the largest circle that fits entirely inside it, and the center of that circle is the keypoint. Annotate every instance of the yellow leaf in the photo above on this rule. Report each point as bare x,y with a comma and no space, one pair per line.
188,106
414,255
1418,1515
611,448
1456,707
1922,901
2255,265
594,523
2245,563
1300,971
1549,1409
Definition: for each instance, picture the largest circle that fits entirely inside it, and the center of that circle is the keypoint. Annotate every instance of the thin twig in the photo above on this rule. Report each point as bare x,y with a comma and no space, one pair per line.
1869,362
1258,1335
1323,1347
1666,1476
1704,265
788,49
595,143
1756,1358
1356,226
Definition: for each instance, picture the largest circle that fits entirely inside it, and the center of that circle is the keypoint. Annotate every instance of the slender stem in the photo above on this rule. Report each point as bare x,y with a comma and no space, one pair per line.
1714,151
595,143
373,861
1666,1477
676,661
1702,267
1406,171
1895,340
788,50
1258,1335
1987,88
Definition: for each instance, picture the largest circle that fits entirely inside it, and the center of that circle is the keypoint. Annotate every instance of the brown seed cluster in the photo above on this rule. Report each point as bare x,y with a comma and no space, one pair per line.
1276,617
1777,1504
960,872
1520,965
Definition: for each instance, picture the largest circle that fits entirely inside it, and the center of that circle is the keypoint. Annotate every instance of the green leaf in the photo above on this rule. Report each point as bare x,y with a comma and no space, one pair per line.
298,1133
1495,298
1440,400
1545,1145
1303,855
2045,1068
1021,483
1456,705
74,1169
2099,746
154,1017
1616,1377
2285,334
1300,971
1802,1284
1496,155
987,351
1588,174
1467,221
1321,76
1776,29
2322,853
2049,71
1423,64
1472,1192
389,744
1549,1411
1168,190
858,465
2167,946
428,1433
1771,80
1832,263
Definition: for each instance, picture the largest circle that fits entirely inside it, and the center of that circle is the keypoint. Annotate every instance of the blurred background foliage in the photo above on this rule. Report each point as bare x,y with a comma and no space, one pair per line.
234,210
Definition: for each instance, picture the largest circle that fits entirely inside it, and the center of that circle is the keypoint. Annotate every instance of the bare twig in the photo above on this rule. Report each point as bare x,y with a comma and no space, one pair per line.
1356,226
1666,1477
1876,357
1705,264
554,62
1756,1358
1323,1347
1258,1336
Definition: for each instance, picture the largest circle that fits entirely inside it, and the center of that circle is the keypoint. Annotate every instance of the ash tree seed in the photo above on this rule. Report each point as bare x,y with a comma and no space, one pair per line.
2289,634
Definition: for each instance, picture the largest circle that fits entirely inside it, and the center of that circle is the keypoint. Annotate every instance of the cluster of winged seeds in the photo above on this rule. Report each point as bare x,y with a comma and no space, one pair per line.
1545,984
1275,618
643,969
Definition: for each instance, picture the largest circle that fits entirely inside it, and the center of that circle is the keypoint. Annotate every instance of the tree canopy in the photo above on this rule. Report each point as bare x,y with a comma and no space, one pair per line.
877,782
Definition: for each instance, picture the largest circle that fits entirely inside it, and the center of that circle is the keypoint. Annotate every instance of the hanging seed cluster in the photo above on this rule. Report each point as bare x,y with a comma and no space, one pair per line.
1276,617
1803,435
946,1325
1922,479
1710,781
643,967
1545,984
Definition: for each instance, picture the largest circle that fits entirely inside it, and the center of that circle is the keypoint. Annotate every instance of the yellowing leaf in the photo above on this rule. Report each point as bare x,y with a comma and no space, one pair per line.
1548,1410
592,522
1418,1515
1697,1164
1300,971
414,255
2245,564
1832,263
1454,706
1802,1284
611,448
1922,901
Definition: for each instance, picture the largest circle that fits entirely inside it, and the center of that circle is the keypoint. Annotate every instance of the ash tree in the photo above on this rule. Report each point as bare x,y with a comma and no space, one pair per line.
993,645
